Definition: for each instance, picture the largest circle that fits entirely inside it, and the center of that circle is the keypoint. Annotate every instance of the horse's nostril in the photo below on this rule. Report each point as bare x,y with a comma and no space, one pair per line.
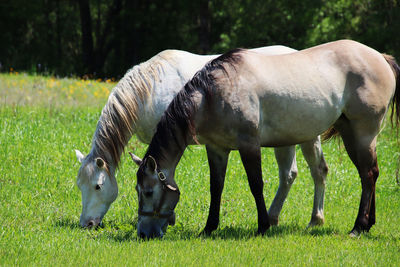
91,223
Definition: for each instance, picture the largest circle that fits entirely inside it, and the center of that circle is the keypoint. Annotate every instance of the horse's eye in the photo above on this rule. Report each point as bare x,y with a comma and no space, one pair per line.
98,187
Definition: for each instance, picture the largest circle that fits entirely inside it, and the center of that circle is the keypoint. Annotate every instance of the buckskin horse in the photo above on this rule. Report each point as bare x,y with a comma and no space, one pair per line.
135,106
244,100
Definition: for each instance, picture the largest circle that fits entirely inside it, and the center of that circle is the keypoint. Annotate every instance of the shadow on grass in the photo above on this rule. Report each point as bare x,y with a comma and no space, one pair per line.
126,231
274,231
117,231
67,223
244,233
321,231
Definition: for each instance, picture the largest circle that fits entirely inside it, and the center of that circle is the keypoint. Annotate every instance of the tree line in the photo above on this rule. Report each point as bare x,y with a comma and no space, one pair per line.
102,38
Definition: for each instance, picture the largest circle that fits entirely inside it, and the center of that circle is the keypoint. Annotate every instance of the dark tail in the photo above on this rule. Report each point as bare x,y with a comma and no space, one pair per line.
395,115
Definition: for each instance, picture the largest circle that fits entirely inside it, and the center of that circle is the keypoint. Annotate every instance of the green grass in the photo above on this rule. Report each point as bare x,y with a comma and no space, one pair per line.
40,203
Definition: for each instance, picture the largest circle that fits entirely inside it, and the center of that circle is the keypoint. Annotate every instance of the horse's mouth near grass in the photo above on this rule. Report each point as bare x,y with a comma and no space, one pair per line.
93,223
95,227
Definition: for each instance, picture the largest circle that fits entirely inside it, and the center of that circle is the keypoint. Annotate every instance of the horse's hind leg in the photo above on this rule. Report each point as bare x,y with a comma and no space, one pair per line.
312,152
369,173
251,158
286,159
217,160
360,142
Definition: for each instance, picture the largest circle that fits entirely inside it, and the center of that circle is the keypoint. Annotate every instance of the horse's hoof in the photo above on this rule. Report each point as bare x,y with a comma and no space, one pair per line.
205,233
316,221
354,233
357,231
262,230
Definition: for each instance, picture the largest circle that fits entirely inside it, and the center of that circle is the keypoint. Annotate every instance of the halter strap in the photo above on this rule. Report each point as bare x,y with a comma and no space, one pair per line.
166,187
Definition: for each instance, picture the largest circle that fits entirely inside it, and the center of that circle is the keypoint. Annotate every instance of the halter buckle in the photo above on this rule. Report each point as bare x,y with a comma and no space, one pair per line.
162,176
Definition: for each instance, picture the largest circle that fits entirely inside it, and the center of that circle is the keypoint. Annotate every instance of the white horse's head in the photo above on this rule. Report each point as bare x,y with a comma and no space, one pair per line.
98,186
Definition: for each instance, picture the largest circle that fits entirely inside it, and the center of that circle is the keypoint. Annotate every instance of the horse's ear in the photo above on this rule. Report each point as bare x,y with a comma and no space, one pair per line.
100,163
135,159
79,155
151,164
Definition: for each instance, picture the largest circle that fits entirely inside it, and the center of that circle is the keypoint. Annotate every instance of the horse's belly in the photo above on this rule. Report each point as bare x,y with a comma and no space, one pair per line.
293,123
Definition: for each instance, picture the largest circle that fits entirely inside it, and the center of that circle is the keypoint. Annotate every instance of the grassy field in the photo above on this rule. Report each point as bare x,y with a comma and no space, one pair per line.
42,121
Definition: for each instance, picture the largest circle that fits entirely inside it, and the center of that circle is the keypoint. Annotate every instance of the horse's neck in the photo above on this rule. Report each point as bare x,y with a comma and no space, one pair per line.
169,159
134,107
168,148
151,110
104,150
172,136
147,90
117,121
180,68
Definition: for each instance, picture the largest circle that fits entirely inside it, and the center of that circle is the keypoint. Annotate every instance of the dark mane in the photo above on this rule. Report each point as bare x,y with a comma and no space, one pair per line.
179,115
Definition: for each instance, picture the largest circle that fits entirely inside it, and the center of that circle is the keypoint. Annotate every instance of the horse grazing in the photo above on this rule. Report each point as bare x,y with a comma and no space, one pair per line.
243,100
136,105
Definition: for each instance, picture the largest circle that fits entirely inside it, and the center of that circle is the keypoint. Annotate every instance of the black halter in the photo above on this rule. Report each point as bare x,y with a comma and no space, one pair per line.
166,187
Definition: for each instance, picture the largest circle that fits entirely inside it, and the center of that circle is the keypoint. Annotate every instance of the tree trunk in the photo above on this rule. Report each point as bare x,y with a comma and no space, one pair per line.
87,39
95,54
204,26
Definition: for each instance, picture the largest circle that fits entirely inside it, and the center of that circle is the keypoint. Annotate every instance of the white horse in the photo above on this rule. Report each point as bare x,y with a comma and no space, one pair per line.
136,105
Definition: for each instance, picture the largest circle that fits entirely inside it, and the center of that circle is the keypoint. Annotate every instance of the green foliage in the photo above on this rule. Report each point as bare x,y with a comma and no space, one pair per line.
40,203
374,23
50,37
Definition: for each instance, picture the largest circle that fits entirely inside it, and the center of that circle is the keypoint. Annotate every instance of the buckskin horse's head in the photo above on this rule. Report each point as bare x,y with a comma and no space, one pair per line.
158,195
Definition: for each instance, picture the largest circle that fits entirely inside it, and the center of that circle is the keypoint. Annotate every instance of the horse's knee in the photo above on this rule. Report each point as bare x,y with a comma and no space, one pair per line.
323,169
288,177
371,176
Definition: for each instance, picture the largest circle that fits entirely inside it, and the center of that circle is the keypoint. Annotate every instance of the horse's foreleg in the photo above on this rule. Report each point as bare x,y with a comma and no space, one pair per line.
217,160
312,152
251,158
286,159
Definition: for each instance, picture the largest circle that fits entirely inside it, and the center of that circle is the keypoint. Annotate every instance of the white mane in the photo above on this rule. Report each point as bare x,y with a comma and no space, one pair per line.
118,117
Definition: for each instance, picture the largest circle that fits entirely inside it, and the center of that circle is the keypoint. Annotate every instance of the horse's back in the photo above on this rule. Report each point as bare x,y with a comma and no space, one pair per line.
273,50
336,73
289,99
